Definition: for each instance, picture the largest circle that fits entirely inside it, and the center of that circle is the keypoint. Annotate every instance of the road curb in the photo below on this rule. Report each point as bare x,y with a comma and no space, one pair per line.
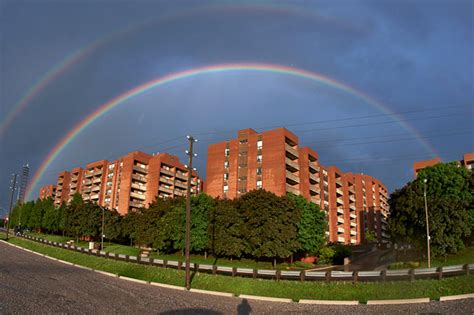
456,297
107,273
226,294
328,302
264,298
82,267
167,286
402,301
133,280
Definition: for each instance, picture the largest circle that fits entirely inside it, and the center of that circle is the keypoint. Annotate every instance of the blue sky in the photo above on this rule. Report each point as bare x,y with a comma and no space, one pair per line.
415,57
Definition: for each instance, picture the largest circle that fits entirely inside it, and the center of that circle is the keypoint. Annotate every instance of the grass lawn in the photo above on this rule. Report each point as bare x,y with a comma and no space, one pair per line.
289,289
466,256
199,259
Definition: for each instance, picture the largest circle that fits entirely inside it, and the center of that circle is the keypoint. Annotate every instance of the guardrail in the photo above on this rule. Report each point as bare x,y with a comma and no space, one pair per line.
349,276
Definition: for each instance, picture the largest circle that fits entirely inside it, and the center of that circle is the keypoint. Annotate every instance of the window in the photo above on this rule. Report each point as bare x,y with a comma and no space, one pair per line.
259,184
259,171
226,189
259,144
259,158
226,164
243,141
226,176
227,152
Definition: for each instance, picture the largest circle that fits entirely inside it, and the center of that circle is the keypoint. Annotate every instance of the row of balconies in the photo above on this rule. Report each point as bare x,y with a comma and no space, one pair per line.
291,150
292,189
140,169
137,195
292,177
138,186
139,178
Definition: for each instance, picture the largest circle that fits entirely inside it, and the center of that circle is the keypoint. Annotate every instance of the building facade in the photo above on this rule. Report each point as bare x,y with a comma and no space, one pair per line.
467,162
25,170
129,183
273,160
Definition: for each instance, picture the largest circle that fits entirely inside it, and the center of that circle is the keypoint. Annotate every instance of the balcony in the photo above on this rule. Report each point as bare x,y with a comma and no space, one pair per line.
60,180
341,239
340,211
139,178
292,177
353,216
338,181
385,235
313,178
140,169
181,175
180,192
86,197
86,190
292,151
384,227
340,220
166,180
313,166
94,196
167,171
293,190
352,207
164,189
353,241
314,188
294,166
339,201
339,191
352,198
180,184
97,180
137,195
96,188
136,204
351,189
88,174
353,224
88,182
353,232
73,185
315,200
139,187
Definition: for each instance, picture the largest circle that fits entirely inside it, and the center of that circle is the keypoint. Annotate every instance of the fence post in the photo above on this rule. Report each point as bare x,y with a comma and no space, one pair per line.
278,275
440,273
165,263
214,269
196,267
355,276
234,271
384,275
139,258
255,273
328,276
127,258
302,275
179,264
466,266
107,255
412,275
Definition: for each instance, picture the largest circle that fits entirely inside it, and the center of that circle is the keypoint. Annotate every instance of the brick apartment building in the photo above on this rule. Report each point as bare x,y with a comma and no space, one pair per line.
48,191
126,184
467,162
274,161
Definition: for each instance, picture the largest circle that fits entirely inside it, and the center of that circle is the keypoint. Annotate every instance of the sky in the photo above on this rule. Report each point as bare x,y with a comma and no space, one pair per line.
407,66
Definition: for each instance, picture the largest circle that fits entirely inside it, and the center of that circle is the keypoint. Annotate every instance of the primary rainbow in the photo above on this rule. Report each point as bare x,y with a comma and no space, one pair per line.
220,68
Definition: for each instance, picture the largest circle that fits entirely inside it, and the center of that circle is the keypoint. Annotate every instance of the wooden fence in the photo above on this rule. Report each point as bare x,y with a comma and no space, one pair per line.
349,276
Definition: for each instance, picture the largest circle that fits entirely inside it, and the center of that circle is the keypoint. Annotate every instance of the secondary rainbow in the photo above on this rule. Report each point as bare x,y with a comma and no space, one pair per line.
84,52
220,68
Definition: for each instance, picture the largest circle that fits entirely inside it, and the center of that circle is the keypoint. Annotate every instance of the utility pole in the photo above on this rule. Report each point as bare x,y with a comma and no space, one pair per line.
188,210
102,233
13,186
427,224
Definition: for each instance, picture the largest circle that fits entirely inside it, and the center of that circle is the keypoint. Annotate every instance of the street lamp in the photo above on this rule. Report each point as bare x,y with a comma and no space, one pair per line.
427,224
102,231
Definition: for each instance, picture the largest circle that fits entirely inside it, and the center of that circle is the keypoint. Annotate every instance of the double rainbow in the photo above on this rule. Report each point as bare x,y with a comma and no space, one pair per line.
195,72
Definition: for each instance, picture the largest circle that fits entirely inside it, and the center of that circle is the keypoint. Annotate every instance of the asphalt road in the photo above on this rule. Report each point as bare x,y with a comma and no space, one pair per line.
31,284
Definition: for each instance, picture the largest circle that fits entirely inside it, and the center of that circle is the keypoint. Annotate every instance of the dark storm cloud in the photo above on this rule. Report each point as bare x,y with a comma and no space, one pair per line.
407,54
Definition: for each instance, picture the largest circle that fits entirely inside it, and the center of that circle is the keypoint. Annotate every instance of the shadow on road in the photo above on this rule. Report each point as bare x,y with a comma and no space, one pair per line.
244,308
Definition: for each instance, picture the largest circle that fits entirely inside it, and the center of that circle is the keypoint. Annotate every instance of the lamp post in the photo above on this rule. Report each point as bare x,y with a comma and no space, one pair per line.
13,186
427,224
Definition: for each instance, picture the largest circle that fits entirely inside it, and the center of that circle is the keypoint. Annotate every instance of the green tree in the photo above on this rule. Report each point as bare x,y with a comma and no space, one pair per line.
312,225
224,230
270,226
35,220
449,198
52,216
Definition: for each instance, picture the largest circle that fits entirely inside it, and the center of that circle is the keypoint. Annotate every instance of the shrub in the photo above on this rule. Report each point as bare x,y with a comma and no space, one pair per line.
326,256
302,264
340,252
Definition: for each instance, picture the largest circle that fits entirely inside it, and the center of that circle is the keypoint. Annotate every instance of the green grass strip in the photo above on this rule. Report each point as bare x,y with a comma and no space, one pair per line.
286,289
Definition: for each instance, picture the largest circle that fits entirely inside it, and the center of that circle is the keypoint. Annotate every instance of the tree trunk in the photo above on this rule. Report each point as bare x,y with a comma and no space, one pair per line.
291,259
274,262
205,254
